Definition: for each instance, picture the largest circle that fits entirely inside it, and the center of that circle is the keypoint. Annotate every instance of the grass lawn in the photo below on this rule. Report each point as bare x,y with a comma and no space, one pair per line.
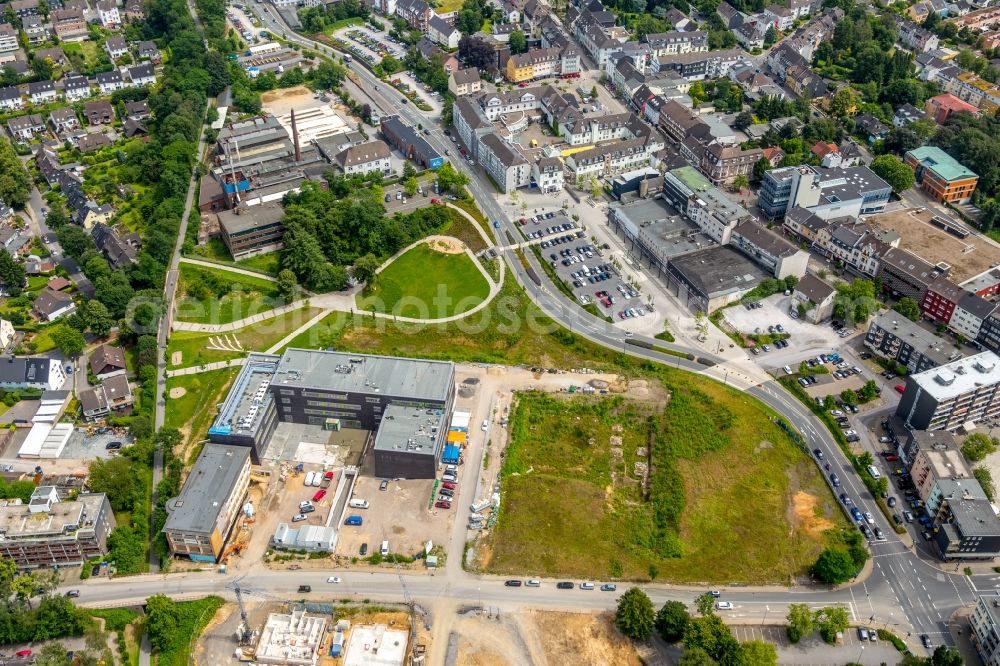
248,296
193,412
343,23
463,230
470,207
194,347
511,330
732,499
215,250
425,283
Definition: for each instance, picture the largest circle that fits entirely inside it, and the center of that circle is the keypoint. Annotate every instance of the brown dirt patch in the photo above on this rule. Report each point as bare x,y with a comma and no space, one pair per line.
804,508
176,358
575,638
177,392
284,93
446,245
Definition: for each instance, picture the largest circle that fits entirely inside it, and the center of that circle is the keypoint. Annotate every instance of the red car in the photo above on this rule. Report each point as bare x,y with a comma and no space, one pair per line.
449,485
899,387
320,494
23,653
443,505
891,458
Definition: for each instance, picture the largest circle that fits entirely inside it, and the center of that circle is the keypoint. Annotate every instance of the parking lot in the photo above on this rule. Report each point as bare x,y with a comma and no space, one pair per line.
775,311
812,650
369,45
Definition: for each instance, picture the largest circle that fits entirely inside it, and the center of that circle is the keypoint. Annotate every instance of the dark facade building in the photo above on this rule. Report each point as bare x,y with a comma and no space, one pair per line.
405,139
252,230
903,273
407,401
893,336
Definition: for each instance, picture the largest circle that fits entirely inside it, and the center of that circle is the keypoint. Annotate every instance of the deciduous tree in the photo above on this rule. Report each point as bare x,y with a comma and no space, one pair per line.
672,620
635,615
892,170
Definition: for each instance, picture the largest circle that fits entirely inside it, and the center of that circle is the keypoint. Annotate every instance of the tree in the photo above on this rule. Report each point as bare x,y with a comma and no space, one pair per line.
770,37
99,319
985,480
288,284
869,391
977,446
908,307
74,240
635,615
740,182
15,184
364,268
11,273
758,653
892,170
800,622
831,621
410,186
69,340
712,635
833,566
449,179
946,656
705,603
119,481
844,102
517,42
161,621
672,620
695,656
743,120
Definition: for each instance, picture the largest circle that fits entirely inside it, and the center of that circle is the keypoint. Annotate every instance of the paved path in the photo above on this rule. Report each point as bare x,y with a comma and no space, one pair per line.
225,267
208,367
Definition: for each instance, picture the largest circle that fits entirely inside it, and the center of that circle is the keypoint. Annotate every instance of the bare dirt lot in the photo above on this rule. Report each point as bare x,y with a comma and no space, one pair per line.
535,637
934,245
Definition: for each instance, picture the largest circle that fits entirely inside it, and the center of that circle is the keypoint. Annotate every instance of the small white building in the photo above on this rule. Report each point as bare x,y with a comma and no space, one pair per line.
365,158
547,173
107,12
6,333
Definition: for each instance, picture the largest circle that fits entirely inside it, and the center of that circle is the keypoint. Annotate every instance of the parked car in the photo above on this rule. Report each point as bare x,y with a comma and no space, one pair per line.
363,550
724,605
533,583
333,579
305,588
586,585
73,593
384,484
609,587
513,583
564,585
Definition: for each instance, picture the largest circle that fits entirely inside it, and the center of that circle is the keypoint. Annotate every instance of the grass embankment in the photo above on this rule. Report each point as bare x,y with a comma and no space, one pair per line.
731,497
195,347
426,284
216,296
192,413
468,204
463,230
216,251
192,618
510,330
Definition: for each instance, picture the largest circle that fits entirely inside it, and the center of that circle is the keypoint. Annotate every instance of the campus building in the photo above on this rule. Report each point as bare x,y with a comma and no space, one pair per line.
249,231
827,193
336,390
49,532
947,397
200,519
941,175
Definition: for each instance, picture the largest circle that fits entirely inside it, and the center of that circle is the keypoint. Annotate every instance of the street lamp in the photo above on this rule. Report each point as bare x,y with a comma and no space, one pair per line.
766,610
861,653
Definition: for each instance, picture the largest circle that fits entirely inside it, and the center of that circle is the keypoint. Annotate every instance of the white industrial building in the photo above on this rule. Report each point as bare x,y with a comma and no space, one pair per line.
46,440
293,639
312,538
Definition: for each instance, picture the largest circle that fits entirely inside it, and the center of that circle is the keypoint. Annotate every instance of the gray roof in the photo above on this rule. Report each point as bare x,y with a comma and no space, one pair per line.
363,373
25,370
246,218
212,480
48,301
910,264
465,75
362,154
719,270
973,515
507,155
813,288
410,429
977,306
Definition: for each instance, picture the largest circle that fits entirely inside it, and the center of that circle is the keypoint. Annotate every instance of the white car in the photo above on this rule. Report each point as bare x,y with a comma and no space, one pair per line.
486,425
533,583
850,432
869,518
724,605
836,412
333,579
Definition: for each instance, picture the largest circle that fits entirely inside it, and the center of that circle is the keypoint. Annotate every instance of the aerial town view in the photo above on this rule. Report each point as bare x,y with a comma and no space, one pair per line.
499,332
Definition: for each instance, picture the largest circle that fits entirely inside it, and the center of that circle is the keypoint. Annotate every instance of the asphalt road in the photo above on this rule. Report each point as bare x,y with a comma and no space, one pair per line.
904,591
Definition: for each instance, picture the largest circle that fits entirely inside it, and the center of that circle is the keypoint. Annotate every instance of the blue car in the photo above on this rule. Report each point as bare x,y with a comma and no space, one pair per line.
856,514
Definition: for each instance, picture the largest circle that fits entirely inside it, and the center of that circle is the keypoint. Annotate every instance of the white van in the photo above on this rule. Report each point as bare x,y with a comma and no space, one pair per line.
309,479
874,472
384,550
358,504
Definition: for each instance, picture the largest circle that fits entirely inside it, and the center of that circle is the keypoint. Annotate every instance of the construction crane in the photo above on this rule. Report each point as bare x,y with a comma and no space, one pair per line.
245,632
415,659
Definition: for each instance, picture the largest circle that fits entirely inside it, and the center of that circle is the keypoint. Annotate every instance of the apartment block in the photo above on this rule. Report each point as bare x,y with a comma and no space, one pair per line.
893,336
903,273
985,623
947,397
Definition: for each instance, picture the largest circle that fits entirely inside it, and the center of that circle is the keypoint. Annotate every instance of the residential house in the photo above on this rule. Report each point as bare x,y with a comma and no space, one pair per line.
871,126
940,299
504,162
92,214
855,244
76,88
24,8
751,34
906,114
35,30
915,37
49,305
773,155
148,50
465,81
8,38
108,82
25,128
55,55
969,314
731,17
41,92
64,120
108,14
99,112
15,242
116,46
10,98
114,394
142,75
6,334
134,11
416,13
138,110
133,127
70,25
107,361
815,297
903,273
120,251
442,32
676,42
781,18
722,163
365,158
91,141
547,174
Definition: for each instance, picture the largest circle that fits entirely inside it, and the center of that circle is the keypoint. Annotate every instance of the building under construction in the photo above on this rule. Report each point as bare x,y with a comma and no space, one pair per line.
292,639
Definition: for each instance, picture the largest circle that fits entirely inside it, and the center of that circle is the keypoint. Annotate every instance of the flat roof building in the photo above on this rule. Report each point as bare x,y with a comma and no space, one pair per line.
709,279
336,389
201,517
985,623
656,231
893,336
409,440
253,230
941,175
945,398
47,531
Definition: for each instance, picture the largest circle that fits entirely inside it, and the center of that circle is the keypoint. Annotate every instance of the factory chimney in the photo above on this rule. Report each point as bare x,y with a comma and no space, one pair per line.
295,139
